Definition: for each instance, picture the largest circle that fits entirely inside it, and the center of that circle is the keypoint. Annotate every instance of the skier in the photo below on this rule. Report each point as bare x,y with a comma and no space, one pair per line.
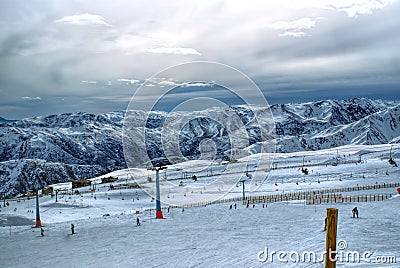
137,221
41,231
355,212
72,228
235,205
230,207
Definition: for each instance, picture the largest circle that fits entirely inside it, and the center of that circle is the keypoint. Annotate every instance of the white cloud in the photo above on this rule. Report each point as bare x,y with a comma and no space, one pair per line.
83,19
162,82
299,24
293,34
174,50
128,81
168,83
294,28
31,98
352,8
89,82
356,7
198,84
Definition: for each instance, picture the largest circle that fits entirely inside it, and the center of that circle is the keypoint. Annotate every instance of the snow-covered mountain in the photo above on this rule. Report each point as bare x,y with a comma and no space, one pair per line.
67,146
42,150
19,176
328,124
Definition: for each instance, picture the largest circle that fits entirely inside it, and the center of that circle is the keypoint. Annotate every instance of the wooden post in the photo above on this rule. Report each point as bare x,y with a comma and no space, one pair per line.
331,230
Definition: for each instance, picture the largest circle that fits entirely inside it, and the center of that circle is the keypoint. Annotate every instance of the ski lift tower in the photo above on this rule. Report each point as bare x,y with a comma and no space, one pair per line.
391,161
242,181
304,170
159,214
4,198
38,221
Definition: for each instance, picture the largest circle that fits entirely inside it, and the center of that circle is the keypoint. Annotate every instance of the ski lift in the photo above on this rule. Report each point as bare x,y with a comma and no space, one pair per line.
303,169
391,161
334,164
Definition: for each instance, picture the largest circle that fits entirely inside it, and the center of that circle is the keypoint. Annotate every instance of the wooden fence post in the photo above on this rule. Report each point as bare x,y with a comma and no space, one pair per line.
331,231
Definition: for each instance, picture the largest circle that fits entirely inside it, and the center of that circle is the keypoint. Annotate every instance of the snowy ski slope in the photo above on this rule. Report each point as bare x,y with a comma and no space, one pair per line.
211,236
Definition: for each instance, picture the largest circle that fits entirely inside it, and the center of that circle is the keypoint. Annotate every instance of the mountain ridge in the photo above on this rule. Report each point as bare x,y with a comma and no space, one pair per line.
72,141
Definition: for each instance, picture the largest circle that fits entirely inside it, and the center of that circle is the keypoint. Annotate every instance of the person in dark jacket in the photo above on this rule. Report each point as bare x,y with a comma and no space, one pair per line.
355,212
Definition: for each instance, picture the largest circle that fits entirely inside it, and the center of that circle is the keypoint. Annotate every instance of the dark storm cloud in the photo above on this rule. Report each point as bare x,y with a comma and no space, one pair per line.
341,57
48,48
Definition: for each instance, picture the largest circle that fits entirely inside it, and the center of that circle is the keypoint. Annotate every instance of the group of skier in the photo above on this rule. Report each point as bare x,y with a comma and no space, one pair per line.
72,230
247,205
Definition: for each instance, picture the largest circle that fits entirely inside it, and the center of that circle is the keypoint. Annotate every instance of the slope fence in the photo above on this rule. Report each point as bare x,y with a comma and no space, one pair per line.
320,196
347,199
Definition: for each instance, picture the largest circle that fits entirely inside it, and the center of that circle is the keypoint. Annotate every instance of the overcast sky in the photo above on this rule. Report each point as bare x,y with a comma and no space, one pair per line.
63,56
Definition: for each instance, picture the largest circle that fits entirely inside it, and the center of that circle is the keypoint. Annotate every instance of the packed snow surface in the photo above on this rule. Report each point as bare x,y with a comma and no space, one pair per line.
213,235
